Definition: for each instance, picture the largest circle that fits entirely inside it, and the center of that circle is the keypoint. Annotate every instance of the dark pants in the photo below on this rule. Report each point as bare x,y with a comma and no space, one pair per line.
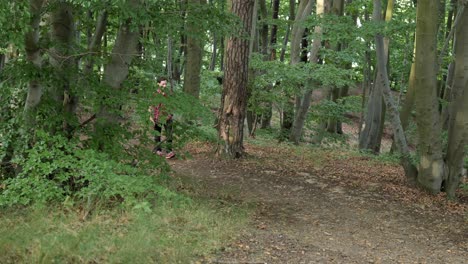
168,133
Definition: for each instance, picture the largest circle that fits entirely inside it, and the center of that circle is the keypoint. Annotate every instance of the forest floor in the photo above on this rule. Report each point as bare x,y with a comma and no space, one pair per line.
325,206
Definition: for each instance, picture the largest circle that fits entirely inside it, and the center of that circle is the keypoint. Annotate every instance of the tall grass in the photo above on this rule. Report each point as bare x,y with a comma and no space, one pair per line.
170,233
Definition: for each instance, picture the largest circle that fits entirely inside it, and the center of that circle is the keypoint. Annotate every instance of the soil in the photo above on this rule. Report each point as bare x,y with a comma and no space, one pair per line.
318,206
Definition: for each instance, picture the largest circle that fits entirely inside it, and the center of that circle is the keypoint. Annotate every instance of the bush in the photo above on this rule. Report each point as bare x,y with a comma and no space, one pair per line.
54,170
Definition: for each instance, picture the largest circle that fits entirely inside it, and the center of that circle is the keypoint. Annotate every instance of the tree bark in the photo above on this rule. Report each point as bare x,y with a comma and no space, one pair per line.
431,165
234,98
33,56
194,51
299,120
63,35
96,40
274,30
116,71
458,125
371,137
402,146
297,33
332,125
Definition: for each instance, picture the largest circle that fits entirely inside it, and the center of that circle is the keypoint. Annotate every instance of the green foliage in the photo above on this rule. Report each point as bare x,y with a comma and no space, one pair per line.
14,24
327,109
55,169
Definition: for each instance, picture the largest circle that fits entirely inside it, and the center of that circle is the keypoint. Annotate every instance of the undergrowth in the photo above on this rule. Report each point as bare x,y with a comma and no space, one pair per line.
171,232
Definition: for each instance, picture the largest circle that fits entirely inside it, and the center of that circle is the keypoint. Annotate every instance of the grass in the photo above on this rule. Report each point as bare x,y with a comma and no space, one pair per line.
170,233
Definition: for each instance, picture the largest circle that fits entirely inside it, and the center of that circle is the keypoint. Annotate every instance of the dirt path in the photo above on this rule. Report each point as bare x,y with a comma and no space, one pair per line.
307,214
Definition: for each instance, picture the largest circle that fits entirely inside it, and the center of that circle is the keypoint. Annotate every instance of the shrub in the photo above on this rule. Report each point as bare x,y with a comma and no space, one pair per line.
55,169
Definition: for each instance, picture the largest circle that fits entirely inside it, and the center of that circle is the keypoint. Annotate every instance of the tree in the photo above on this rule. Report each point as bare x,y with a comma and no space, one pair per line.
234,98
34,57
63,60
400,139
371,136
194,50
116,72
431,165
458,124
297,33
297,127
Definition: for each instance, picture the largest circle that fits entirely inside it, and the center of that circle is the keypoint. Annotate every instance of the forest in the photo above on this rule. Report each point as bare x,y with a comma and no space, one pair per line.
376,81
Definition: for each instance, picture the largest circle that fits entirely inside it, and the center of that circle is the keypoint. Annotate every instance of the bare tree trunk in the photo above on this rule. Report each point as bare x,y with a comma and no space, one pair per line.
431,165
371,136
402,146
267,106
292,17
458,125
194,51
63,36
116,71
234,98
299,120
96,39
253,47
297,33
274,30
34,57
214,53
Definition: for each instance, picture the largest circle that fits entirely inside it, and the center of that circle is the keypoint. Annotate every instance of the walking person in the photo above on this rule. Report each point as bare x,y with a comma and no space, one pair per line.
161,118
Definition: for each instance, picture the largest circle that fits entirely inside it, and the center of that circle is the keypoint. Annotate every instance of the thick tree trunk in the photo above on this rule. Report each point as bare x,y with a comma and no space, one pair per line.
234,98
431,165
402,146
458,125
301,114
34,57
194,51
116,71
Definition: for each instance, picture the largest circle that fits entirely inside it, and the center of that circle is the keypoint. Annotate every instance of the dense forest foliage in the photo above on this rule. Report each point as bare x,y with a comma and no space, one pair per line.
77,78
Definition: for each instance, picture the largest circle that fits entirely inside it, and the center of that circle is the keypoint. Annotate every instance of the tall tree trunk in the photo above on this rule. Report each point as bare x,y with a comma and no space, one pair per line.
267,106
299,120
117,69
292,17
448,89
402,146
458,125
34,57
274,30
431,165
234,98
304,9
214,53
94,44
194,51
253,47
63,36
371,137
333,125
